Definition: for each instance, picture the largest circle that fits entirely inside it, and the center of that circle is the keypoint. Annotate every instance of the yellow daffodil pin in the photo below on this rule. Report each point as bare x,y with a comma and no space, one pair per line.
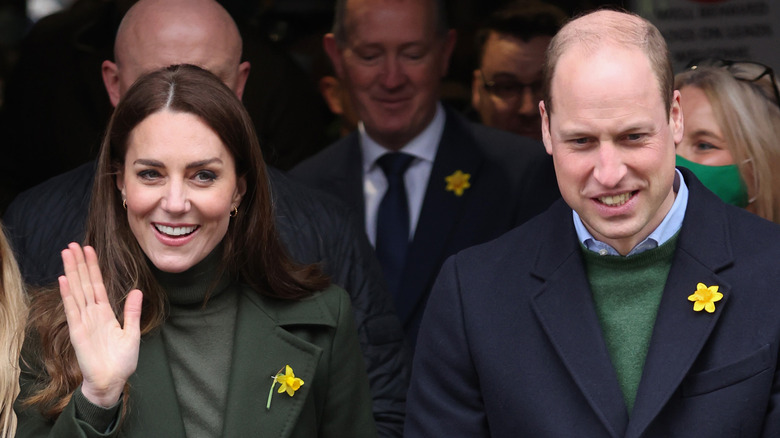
705,298
458,182
289,383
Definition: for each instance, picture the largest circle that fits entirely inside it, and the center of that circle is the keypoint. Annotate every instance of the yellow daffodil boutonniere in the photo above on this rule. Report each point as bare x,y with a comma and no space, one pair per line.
289,383
458,182
705,298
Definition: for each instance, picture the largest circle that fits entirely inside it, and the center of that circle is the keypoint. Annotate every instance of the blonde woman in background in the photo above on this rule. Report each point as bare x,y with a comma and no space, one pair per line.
13,315
732,132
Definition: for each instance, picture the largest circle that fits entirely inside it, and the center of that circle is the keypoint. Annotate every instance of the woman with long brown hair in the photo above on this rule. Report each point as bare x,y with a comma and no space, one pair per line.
184,316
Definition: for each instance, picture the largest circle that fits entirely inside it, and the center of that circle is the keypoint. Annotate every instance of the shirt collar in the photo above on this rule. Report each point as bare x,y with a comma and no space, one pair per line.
423,146
666,230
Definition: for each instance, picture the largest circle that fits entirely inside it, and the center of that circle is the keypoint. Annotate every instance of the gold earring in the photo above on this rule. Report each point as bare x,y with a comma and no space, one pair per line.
234,211
124,204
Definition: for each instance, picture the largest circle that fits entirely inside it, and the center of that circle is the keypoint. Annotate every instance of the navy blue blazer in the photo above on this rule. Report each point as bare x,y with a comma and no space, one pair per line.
512,179
511,345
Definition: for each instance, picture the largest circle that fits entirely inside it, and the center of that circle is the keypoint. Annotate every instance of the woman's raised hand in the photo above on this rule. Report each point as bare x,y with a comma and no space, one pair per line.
107,352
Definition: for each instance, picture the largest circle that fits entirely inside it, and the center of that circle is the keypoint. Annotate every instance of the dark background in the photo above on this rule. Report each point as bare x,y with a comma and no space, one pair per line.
297,26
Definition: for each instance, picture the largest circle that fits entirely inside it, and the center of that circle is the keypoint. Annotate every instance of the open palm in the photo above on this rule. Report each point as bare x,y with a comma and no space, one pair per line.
107,353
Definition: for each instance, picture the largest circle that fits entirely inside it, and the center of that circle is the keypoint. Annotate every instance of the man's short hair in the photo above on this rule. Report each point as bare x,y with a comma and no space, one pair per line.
339,28
523,20
620,28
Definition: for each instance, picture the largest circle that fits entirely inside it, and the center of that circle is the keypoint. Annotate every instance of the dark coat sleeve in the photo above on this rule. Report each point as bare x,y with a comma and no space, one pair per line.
445,402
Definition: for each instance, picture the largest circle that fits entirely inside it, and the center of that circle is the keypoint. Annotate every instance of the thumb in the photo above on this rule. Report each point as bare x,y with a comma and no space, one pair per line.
133,311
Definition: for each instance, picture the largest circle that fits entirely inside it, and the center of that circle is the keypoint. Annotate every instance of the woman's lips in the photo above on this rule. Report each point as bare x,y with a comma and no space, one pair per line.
175,235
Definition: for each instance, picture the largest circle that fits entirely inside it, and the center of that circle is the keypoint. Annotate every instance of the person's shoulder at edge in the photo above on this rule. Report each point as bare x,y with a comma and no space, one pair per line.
77,181
327,160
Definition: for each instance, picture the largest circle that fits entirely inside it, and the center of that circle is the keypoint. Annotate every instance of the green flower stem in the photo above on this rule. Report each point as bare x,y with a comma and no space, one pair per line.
270,393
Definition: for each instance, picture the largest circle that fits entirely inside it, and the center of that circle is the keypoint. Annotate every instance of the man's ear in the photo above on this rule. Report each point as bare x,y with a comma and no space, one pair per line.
546,136
331,47
110,74
330,88
243,75
676,118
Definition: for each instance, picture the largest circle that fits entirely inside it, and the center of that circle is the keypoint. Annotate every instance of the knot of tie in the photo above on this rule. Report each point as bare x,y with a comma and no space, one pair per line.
394,164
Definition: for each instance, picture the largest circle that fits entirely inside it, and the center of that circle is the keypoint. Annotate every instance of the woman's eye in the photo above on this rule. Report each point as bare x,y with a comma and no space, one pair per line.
205,176
148,174
703,146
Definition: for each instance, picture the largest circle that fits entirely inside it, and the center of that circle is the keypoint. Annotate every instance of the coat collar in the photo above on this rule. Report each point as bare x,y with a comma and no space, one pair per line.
262,346
565,309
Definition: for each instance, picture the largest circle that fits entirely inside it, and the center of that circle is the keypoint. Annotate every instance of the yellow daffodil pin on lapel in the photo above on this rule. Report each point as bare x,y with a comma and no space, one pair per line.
458,182
705,298
289,383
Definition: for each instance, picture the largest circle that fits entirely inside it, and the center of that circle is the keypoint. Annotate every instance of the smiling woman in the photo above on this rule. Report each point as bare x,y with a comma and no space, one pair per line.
181,233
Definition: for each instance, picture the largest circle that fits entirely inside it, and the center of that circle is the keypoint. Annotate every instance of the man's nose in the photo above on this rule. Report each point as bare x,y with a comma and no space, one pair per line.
609,169
393,73
528,104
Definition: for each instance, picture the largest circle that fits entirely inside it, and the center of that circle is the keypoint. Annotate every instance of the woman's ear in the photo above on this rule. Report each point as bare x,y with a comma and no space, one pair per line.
240,191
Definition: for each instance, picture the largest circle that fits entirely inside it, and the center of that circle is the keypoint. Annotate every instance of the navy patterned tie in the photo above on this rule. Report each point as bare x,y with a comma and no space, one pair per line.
392,221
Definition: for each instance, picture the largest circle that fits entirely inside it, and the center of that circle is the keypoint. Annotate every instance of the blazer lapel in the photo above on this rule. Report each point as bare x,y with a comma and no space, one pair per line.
154,405
440,214
565,309
680,333
261,349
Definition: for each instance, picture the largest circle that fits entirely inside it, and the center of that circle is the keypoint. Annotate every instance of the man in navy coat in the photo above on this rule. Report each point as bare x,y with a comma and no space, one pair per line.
462,183
638,306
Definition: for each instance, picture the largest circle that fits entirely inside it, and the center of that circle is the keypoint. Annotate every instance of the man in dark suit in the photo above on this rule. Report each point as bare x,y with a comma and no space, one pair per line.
315,228
638,306
458,184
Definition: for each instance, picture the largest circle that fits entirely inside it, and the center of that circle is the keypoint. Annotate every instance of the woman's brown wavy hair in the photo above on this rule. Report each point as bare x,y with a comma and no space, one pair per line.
252,251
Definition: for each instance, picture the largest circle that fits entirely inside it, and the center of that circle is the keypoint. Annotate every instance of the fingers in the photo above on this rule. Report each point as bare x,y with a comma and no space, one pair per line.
95,277
83,275
133,312
72,282
83,272
72,310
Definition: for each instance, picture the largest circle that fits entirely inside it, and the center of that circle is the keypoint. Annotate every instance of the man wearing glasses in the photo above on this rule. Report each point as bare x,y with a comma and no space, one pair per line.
507,86
640,305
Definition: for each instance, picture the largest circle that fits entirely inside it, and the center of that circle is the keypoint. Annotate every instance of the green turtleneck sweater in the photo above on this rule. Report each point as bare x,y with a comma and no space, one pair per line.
627,292
198,342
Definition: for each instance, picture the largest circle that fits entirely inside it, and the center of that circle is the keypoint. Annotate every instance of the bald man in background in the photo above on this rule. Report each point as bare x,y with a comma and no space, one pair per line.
56,108
314,226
